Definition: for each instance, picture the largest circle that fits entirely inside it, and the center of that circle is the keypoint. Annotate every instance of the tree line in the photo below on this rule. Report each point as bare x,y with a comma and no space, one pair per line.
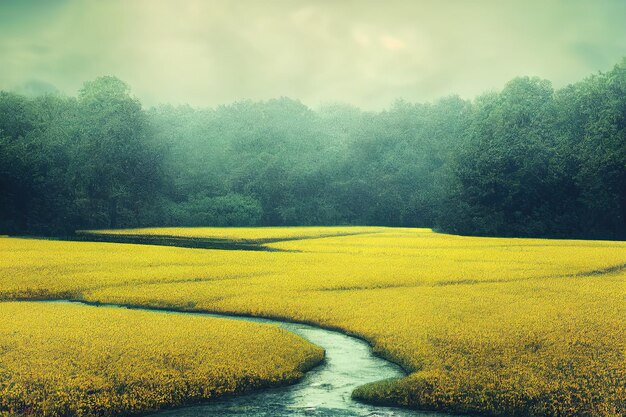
528,160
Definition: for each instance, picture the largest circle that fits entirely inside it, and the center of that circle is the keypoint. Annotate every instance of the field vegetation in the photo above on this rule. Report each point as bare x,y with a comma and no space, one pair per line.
238,234
486,325
60,359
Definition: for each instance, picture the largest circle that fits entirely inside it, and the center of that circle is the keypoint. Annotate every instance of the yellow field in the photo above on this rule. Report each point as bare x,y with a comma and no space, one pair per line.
241,234
503,326
66,359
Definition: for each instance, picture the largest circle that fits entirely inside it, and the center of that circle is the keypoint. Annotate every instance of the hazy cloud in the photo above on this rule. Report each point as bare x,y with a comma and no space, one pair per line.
364,52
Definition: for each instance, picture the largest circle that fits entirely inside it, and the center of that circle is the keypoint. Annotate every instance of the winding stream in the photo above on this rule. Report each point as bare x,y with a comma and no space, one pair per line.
324,391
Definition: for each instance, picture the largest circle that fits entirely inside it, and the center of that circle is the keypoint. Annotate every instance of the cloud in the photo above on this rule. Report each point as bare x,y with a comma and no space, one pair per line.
391,43
209,53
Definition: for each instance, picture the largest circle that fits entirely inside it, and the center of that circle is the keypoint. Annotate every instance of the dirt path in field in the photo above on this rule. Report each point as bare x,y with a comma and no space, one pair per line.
200,242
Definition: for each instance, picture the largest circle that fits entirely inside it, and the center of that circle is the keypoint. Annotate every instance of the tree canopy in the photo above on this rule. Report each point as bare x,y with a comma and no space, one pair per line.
524,161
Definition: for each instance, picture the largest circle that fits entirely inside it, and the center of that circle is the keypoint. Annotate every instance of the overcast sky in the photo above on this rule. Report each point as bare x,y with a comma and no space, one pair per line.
367,53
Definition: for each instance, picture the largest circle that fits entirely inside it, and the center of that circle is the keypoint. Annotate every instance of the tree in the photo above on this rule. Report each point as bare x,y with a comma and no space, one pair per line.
121,169
506,183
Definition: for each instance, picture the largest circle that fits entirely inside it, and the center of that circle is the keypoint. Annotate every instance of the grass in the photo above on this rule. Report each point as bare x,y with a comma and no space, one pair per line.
485,325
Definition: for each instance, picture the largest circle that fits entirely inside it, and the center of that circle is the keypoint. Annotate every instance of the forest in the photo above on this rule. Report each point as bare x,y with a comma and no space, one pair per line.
526,161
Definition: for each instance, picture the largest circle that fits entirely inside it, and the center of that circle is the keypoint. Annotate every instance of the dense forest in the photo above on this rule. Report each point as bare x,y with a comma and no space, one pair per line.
526,161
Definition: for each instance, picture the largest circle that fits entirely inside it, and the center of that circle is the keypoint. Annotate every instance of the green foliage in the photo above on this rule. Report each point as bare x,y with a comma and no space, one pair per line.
504,169
525,161
227,210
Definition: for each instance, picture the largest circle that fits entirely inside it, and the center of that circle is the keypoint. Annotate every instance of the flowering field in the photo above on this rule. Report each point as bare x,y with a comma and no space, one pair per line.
240,234
494,326
62,359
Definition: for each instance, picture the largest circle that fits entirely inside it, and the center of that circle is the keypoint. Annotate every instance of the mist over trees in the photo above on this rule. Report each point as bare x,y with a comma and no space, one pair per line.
525,161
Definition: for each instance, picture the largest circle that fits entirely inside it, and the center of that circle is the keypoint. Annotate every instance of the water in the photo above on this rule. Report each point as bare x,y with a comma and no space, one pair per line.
324,391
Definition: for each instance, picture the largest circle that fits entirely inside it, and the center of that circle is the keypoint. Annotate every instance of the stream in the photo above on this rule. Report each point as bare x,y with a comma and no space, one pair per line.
324,391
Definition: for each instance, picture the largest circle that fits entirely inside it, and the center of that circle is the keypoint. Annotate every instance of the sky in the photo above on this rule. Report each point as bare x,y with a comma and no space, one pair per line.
366,53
